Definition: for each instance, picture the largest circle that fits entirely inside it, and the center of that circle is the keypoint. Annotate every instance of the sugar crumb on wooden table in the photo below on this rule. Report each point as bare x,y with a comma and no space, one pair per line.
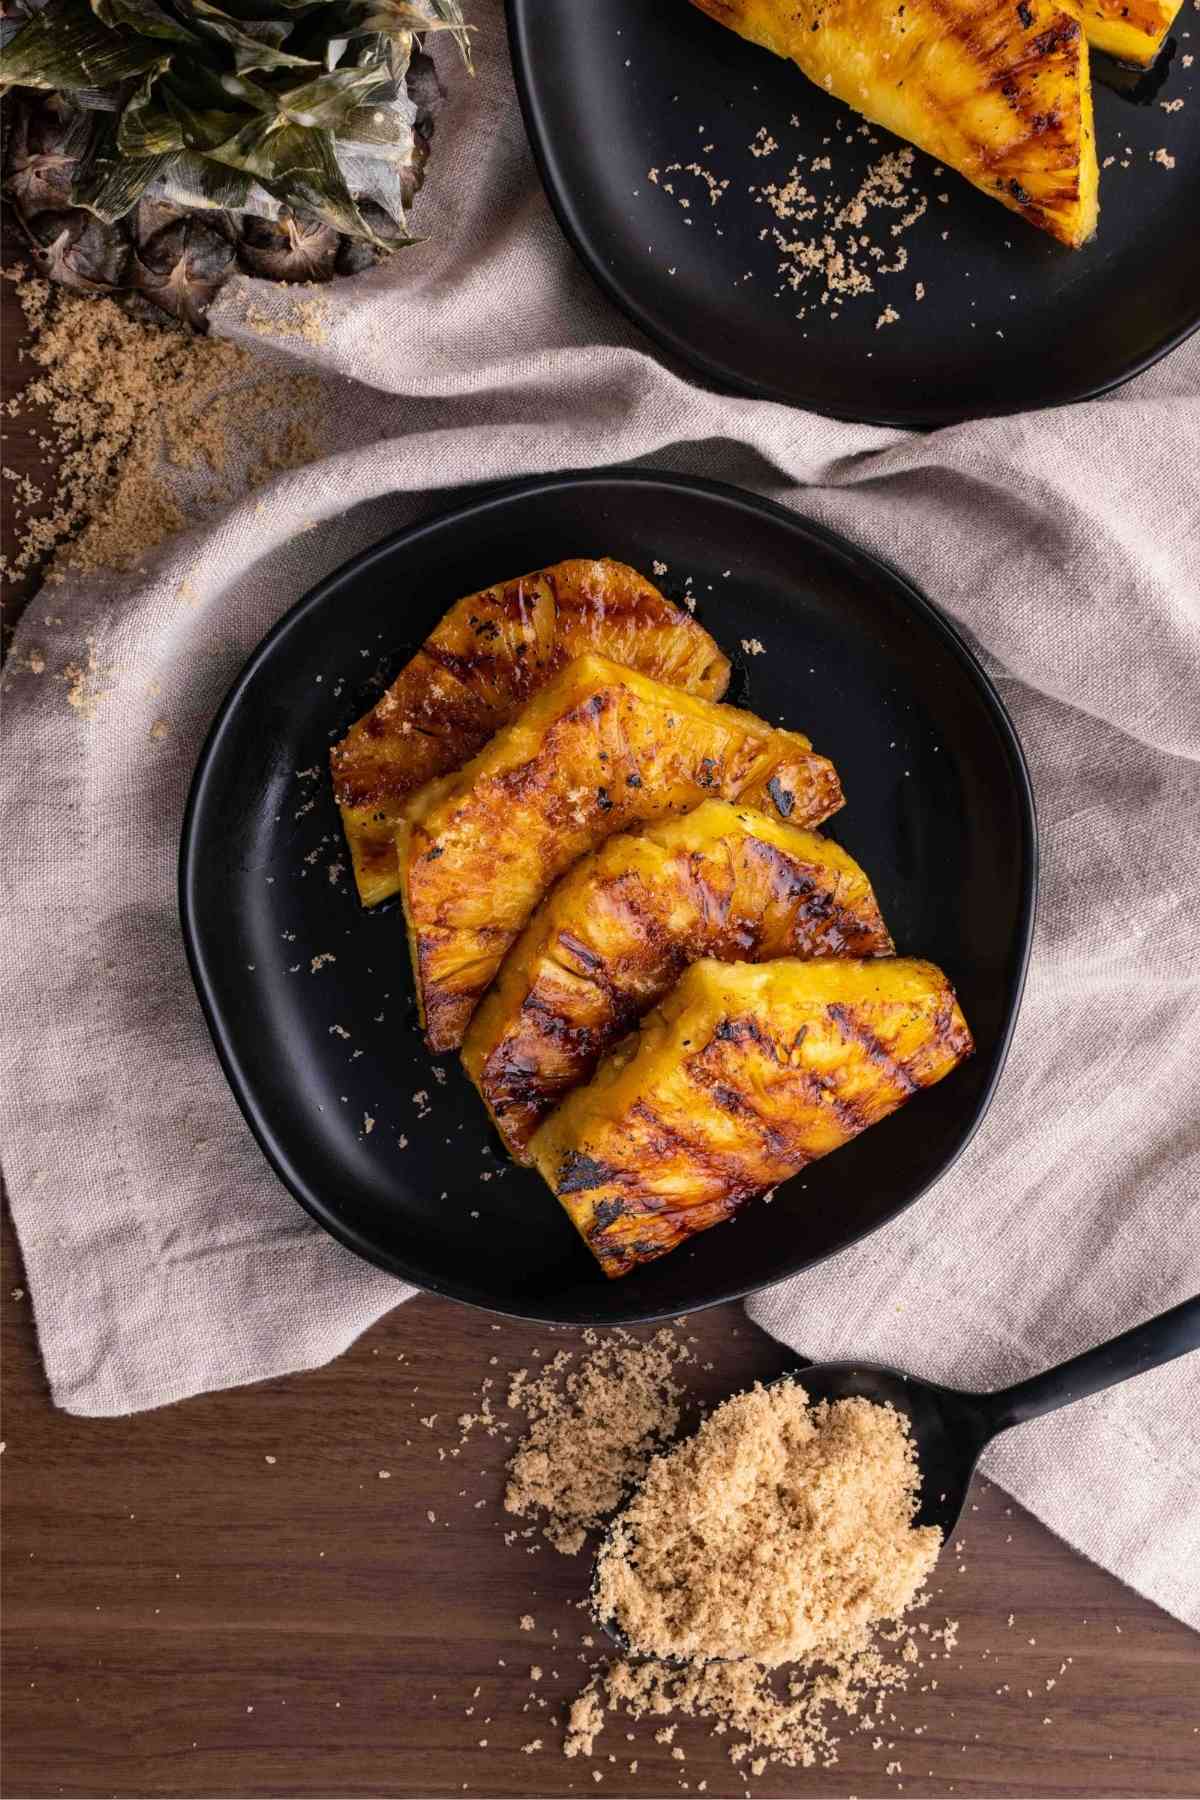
309,1583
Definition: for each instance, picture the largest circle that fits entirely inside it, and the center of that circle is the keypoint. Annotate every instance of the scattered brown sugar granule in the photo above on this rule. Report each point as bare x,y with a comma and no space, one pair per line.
779,1531
304,317
593,1429
151,427
781,1718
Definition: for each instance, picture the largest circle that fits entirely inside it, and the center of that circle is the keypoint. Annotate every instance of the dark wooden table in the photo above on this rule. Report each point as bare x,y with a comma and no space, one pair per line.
185,1616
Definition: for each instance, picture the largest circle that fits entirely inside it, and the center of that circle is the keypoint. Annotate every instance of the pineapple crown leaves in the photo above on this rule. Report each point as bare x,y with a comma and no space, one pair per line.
251,107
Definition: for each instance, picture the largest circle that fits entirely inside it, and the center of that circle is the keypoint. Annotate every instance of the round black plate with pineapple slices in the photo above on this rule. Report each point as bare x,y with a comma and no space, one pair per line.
309,997
1007,319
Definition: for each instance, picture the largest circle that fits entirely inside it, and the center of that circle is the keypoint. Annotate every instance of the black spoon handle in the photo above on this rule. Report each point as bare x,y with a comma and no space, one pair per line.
1144,1347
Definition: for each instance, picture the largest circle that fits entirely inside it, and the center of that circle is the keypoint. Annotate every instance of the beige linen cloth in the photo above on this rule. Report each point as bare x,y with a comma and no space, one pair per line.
162,1256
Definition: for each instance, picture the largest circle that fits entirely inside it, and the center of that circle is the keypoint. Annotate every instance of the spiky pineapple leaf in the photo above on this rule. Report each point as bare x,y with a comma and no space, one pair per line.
65,46
254,46
254,106
195,183
108,182
146,17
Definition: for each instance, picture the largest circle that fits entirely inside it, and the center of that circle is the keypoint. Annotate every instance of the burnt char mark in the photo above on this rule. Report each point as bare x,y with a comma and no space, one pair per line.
550,1022
579,951
784,799
659,1142
743,1030
871,1047
788,1154
950,1030
471,666
577,1173
607,1213
1058,36
612,597
821,918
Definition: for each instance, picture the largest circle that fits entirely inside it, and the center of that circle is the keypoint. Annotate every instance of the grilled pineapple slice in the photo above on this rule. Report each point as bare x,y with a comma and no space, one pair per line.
1134,30
621,925
600,747
744,1074
999,89
489,654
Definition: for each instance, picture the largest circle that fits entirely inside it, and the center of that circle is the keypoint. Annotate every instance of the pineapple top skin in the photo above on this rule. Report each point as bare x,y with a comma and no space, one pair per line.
998,89
619,928
599,748
743,1075
491,653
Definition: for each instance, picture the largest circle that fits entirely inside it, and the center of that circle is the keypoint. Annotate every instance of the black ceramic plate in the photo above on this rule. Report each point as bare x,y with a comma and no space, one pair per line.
939,812
1009,319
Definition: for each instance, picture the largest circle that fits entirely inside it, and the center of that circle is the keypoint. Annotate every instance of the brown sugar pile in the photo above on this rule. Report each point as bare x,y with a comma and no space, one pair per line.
150,427
780,1528
593,1429
780,1532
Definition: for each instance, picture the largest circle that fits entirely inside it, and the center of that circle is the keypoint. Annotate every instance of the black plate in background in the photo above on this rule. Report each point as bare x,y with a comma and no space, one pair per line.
1010,320
939,812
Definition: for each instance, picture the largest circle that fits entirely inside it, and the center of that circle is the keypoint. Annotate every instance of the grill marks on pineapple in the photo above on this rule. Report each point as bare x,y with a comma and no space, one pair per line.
870,1045
612,939
489,654
744,1075
1004,101
1016,79
551,789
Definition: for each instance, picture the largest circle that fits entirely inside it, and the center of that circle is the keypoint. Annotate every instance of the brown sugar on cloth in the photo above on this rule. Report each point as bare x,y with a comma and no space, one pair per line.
593,1428
778,1532
149,427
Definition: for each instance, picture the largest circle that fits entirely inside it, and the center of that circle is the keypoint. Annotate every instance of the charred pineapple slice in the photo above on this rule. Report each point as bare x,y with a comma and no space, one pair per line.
1134,30
490,654
745,1073
999,90
614,935
600,747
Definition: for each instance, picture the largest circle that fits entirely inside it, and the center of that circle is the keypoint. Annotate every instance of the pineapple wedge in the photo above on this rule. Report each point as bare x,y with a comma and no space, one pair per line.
998,89
600,747
744,1074
619,928
491,652
1134,30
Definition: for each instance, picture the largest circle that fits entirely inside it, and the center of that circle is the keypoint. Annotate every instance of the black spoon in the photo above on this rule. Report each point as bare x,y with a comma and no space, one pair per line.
952,1428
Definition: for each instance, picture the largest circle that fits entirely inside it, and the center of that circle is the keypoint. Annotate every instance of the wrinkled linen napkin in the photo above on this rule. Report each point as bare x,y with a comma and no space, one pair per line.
163,1257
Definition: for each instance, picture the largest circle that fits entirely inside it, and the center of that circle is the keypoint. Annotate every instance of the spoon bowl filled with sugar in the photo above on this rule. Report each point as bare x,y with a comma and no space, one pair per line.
803,1513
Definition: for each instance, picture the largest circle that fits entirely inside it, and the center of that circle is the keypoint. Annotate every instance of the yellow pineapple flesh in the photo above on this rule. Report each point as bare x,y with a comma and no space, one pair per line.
616,932
490,653
743,1075
599,748
998,89
1133,30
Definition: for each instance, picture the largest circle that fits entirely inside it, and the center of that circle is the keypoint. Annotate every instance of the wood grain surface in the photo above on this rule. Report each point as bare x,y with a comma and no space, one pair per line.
228,1598
185,1617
